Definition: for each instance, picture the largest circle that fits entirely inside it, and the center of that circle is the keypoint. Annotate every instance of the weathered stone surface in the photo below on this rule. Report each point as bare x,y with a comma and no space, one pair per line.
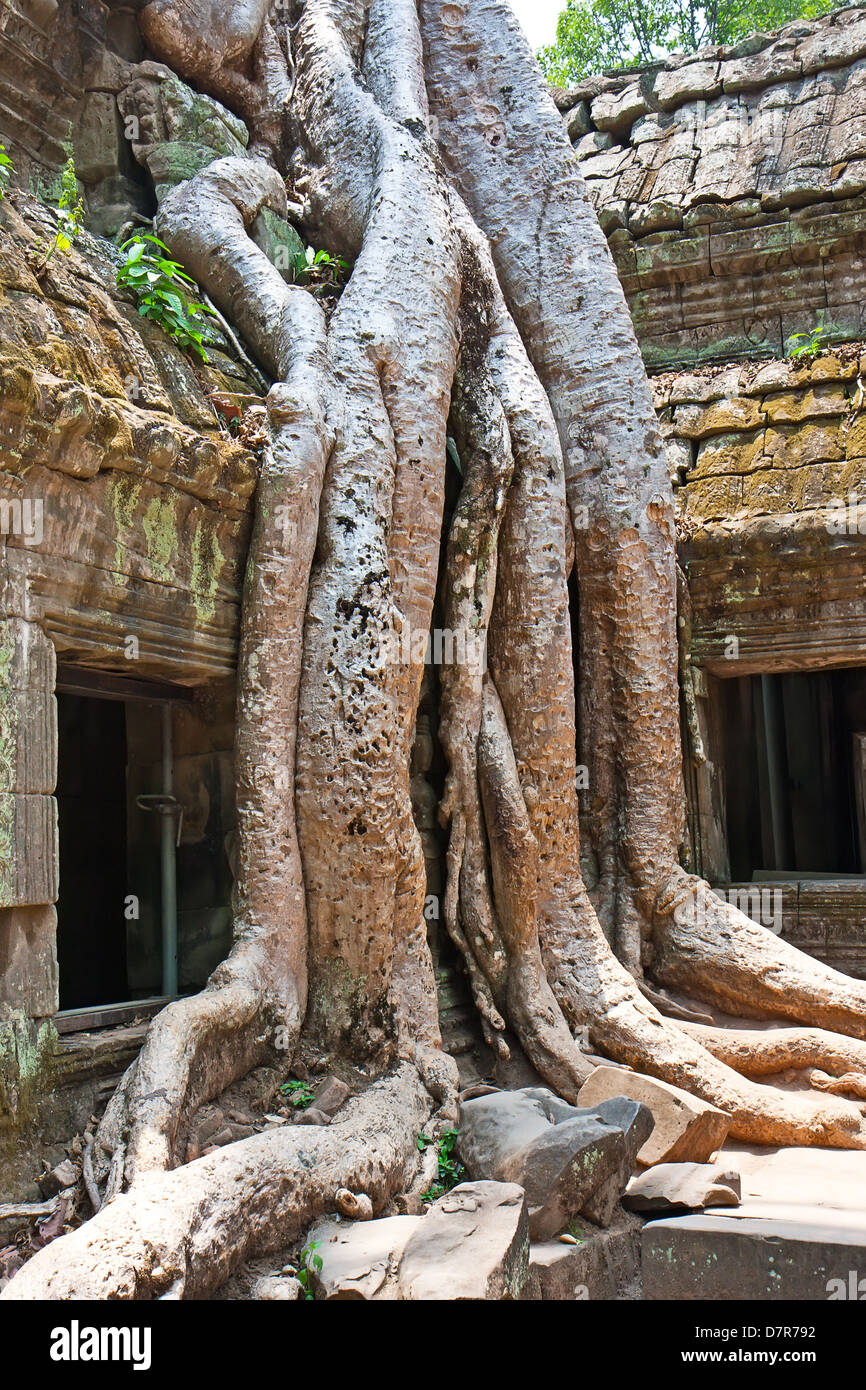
179,131
686,82
593,143
114,456
678,1186
329,1096
617,111
28,713
736,413
759,146
636,1121
731,452
726,1257
472,1244
312,1116
567,1160
28,850
63,1174
28,958
97,138
276,1288
661,215
279,241
578,122
686,1128
602,1265
357,1257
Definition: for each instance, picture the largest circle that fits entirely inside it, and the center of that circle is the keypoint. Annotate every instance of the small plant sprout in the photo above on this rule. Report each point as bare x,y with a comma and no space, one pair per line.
319,270
298,1093
7,169
70,215
450,1170
309,1262
803,347
165,294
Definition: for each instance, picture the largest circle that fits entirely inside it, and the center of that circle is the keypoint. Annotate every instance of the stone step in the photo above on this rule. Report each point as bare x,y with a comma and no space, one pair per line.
603,1264
720,1257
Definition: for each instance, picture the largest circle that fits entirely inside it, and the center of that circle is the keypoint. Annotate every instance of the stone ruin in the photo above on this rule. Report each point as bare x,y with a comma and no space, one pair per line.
731,187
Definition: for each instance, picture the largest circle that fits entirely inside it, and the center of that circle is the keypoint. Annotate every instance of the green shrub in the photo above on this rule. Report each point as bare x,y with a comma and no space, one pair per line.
164,293
7,169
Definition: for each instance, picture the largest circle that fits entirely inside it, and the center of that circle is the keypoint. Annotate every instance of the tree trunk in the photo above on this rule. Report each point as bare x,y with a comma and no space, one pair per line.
430,154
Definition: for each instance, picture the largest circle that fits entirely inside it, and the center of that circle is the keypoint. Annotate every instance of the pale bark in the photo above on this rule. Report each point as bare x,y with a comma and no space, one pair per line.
180,1235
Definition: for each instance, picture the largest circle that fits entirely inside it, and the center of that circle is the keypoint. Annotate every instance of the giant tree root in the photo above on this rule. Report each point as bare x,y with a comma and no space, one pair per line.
509,157
254,1002
763,1053
181,1234
720,955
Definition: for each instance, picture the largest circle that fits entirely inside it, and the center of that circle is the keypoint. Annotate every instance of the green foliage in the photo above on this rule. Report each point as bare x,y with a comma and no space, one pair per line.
319,270
307,1261
70,208
7,169
298,1093
70,215
803,347
164,293
450,1170
594,35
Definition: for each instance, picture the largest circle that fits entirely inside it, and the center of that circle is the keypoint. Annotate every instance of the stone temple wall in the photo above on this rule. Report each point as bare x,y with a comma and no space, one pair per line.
769,460
732,188
124,512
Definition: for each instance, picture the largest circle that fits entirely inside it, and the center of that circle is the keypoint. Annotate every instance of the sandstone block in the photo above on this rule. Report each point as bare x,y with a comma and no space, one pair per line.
728,1257
669,1187
472,1244
566,1159
686,1128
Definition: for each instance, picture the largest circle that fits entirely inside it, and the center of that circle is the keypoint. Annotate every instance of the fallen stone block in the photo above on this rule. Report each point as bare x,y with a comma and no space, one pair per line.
473,1243
357,1257
717,1257
312,1116
566,1159
686,1129
330,1095
636,1122
683,1187
601,1265
65,1174
276,1288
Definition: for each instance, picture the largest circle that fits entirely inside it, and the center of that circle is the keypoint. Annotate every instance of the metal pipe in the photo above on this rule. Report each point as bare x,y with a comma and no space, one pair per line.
168,860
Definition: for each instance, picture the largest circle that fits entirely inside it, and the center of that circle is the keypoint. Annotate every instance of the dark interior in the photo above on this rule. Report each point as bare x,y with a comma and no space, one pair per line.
91,804
791,772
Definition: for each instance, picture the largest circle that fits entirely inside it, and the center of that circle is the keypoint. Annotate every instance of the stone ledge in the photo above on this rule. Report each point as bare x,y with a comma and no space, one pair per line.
715,1257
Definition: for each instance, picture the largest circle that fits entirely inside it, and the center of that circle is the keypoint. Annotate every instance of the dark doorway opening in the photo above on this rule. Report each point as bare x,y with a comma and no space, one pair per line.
91,806
793,767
